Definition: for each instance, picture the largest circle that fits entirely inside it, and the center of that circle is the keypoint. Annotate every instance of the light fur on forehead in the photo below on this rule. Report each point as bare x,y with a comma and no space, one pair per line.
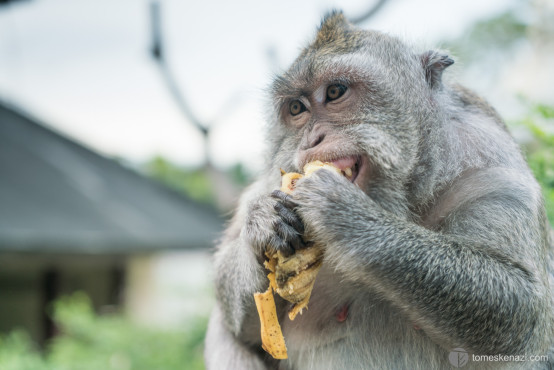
333,26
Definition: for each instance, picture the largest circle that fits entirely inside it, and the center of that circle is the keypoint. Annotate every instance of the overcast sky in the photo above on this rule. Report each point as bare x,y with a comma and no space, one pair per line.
84,66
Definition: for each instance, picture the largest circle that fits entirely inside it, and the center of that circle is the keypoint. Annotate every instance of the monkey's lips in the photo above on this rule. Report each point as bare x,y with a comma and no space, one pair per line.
349,166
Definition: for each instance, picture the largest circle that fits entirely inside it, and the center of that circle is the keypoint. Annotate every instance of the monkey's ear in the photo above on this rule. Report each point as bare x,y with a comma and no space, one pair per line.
434,63
332,25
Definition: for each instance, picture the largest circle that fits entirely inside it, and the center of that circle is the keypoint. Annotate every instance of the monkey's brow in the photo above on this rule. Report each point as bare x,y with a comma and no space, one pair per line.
300,80
283,88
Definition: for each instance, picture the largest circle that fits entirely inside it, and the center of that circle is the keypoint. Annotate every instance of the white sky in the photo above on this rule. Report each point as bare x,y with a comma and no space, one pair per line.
84,66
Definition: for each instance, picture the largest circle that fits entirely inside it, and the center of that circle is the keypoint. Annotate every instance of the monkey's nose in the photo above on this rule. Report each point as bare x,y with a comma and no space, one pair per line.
315,140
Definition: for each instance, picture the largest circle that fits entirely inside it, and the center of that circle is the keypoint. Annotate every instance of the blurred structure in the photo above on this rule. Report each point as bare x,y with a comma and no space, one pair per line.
71,219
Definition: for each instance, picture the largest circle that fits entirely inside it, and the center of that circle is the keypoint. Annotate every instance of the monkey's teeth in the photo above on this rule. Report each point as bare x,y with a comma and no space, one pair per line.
348,172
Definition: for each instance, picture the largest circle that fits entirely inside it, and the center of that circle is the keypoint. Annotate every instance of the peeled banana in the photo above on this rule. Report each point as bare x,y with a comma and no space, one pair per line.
292,277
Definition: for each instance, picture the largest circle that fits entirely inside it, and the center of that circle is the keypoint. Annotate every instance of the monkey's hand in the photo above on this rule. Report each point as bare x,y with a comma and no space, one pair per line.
272,225
326,197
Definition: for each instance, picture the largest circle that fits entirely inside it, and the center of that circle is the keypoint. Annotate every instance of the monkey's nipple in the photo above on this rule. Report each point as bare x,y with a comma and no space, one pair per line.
342,313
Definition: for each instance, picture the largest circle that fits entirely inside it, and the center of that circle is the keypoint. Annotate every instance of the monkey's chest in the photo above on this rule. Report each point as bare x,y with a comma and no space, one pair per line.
343,319
347,325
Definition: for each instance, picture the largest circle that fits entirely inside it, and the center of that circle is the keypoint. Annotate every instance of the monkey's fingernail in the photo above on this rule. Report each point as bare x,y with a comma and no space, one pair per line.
278,194
285,198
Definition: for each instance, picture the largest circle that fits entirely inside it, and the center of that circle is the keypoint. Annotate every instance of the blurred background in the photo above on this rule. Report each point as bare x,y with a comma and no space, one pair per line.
128,129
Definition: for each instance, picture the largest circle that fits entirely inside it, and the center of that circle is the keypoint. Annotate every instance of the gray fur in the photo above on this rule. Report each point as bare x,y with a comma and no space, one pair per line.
443,243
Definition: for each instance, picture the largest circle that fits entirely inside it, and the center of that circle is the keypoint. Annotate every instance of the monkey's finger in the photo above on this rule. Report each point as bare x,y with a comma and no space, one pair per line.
290,236
290,217
279,244
285,231
297,243
285,198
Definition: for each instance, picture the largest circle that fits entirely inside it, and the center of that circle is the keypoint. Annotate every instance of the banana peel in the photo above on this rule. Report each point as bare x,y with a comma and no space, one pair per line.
273,341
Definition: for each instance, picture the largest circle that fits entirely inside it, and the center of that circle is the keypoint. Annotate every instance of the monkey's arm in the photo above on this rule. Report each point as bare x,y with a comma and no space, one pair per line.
225,351
233,335
480,283
233,332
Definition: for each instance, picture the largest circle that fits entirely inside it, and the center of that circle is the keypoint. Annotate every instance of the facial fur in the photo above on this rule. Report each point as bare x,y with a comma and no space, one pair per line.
379,119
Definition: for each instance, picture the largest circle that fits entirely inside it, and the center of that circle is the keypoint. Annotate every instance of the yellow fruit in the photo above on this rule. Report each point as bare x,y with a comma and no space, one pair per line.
292,277
273,341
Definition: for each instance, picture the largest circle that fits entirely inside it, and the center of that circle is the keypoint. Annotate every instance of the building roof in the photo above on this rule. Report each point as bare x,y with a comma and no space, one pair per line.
58,196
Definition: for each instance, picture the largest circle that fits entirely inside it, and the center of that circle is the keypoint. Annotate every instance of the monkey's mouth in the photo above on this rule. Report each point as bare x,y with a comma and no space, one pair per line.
349,166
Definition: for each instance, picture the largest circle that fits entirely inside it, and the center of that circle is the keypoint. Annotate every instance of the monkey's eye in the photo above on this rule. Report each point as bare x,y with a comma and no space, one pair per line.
335,91
296,107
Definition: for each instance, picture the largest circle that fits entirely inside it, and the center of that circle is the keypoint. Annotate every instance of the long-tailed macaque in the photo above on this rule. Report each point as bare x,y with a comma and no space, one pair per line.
437,240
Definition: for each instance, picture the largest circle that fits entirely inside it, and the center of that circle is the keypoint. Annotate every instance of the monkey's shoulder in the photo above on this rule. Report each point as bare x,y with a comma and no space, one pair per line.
467,99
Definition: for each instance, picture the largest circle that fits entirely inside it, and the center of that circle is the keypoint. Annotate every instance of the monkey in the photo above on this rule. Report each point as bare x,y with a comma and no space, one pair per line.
437,241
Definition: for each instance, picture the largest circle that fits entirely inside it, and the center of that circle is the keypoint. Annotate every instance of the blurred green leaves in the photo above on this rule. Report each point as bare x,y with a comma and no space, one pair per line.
540,150
17,352
195,183
90,342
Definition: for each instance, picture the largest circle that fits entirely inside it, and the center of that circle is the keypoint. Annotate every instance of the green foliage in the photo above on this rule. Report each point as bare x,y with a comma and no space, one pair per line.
239,175
194,183
88,341
17,352
546,111
540,152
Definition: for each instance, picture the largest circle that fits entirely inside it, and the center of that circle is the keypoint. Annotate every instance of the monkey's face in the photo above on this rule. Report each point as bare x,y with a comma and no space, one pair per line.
352,101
